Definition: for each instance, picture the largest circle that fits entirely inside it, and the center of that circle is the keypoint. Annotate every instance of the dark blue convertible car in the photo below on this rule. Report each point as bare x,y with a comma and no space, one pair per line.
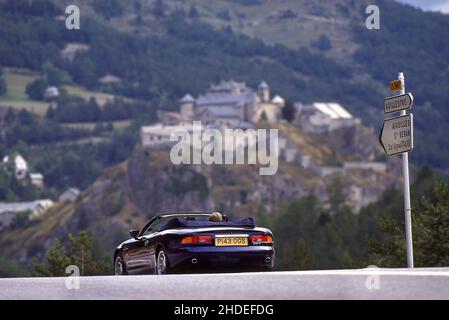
189,242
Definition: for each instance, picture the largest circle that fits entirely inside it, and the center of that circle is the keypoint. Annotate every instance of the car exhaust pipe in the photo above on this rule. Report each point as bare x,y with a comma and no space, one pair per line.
194,260
267,259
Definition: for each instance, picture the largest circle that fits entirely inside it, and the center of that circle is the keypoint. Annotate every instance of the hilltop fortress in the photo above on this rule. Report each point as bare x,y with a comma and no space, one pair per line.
228,104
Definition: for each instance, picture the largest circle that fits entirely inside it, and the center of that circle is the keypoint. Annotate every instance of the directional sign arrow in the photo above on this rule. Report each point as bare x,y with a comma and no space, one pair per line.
398,103
396,135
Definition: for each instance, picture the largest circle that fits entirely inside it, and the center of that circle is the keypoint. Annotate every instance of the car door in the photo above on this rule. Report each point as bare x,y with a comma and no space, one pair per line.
131,251
150,237
135,251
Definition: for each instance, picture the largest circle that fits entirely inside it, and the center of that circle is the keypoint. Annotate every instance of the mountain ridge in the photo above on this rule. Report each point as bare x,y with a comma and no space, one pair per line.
206,49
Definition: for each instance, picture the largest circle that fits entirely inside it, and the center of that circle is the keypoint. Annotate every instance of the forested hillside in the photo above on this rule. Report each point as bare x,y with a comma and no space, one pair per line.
416,43
183,53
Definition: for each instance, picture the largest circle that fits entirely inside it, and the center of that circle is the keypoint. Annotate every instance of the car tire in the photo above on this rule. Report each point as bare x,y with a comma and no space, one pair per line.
119,266
162,263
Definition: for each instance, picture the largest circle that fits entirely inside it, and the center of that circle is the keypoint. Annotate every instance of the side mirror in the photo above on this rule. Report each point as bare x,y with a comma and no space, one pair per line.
134,233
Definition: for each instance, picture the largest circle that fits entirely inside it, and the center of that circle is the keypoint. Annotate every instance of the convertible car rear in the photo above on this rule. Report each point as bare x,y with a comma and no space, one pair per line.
178,242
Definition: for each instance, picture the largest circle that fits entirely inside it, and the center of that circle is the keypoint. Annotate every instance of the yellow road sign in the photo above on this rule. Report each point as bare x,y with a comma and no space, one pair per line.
396,85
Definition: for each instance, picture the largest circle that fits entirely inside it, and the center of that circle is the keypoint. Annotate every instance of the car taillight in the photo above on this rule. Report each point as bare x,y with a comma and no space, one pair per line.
197,240
261,238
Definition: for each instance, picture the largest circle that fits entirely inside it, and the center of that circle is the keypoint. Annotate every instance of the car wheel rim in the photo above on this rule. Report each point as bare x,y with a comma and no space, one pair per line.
161,263
118,267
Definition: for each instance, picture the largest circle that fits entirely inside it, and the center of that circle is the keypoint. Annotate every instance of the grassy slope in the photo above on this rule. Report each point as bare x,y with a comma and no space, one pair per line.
16,97
313,18
263,21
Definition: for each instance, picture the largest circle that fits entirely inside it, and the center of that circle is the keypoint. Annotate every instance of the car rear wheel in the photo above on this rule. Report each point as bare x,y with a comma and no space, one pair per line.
119,266
162,264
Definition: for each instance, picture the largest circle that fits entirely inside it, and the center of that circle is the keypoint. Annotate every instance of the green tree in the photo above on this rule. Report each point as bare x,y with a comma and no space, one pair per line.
292,223
50,112
302,259
288,112
430,222
10,268
54,76
83,251
21,219
57,262
337,195
322,43
36,89
6,193
193,12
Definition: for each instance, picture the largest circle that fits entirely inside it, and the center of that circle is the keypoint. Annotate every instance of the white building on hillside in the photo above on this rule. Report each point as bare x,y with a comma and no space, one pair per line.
38,207
37,180
321,117
51,92
159,135
9,210
70,195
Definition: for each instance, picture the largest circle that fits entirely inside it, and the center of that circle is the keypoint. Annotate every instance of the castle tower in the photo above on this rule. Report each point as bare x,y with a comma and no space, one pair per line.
263,92
187,107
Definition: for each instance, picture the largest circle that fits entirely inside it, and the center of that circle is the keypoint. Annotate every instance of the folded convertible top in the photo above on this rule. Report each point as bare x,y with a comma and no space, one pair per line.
183,223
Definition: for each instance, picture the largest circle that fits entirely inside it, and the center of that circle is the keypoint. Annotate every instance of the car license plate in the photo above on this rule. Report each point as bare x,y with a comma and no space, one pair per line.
231,241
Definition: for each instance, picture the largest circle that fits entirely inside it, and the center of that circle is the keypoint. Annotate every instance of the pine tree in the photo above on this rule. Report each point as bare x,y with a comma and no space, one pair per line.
80,253
430,223
302,258
288,111
57,262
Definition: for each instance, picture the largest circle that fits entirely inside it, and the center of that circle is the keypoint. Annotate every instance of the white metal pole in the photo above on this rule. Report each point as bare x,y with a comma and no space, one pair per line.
407,206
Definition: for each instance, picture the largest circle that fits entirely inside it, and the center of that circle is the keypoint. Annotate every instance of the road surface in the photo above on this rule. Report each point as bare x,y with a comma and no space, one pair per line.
368,283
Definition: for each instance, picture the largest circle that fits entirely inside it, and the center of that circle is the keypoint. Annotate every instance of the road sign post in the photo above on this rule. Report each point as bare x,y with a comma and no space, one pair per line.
397,137
407,205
